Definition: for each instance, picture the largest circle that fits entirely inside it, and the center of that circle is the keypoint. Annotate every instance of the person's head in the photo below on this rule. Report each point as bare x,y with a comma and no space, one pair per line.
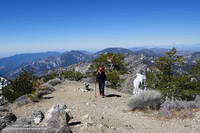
101,68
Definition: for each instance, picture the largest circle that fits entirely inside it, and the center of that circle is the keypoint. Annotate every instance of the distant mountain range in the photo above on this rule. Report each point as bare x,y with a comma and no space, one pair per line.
39,63
12,63
63,60
114,50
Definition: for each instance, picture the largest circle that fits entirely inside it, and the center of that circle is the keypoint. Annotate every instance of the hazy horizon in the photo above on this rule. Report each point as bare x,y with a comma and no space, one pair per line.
183,47
29,26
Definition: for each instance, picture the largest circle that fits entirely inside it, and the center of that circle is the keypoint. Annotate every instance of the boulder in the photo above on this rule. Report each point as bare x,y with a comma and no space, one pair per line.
55,121
35,119
57,116
37,116
3,101
8,119
6,116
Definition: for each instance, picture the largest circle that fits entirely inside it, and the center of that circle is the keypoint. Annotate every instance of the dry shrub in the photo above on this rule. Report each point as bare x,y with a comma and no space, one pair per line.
173,108
149,99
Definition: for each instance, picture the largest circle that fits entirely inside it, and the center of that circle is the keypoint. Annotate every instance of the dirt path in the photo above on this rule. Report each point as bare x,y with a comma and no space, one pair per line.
107,115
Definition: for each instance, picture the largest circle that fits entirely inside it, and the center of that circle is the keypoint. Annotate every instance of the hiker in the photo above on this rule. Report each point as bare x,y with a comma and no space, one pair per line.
101,79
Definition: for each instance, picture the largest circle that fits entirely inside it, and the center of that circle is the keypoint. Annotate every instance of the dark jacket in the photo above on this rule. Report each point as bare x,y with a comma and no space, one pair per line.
100,76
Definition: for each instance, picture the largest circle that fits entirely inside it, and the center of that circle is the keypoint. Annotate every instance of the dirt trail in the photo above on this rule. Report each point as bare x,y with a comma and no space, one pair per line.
107,115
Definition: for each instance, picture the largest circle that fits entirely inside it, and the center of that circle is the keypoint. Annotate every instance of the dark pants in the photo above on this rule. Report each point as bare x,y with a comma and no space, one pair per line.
101,87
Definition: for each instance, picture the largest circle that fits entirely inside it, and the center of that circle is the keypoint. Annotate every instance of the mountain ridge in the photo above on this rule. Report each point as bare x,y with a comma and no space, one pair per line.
68,58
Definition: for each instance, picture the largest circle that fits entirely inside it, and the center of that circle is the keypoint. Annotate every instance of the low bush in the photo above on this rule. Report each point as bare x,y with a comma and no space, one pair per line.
149,99
114,79
72,75
34,96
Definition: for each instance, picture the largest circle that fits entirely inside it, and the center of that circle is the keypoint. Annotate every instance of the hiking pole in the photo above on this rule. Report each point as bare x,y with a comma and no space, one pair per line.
95,88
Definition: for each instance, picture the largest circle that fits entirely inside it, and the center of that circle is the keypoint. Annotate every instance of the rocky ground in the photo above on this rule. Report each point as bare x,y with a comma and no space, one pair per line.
107,115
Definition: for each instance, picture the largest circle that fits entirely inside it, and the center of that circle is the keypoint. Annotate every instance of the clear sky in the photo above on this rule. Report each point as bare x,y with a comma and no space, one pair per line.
42,25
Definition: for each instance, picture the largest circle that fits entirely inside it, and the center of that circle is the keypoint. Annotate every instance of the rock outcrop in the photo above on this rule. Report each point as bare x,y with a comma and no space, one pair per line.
6,115
55,121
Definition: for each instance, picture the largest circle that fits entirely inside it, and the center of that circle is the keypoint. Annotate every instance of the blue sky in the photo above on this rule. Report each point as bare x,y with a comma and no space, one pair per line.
44,25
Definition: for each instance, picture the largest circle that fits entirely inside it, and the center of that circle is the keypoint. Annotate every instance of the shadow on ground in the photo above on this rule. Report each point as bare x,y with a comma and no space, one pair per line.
46,97
74,123
113,95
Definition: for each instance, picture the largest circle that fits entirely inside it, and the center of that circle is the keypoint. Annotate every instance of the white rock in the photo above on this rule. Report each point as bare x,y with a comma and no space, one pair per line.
99,125
86,116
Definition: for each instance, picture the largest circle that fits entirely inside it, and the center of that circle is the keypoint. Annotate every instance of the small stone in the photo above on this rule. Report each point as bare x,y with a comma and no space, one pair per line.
85,116
99,125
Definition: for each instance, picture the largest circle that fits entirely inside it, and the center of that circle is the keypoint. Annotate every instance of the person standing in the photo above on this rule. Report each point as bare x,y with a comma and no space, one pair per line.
101,79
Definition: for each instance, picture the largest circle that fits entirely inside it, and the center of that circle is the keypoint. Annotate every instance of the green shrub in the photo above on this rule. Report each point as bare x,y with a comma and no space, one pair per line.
111,61
114,67
165,77
72,75
22,85
196,70
114,79
34,96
